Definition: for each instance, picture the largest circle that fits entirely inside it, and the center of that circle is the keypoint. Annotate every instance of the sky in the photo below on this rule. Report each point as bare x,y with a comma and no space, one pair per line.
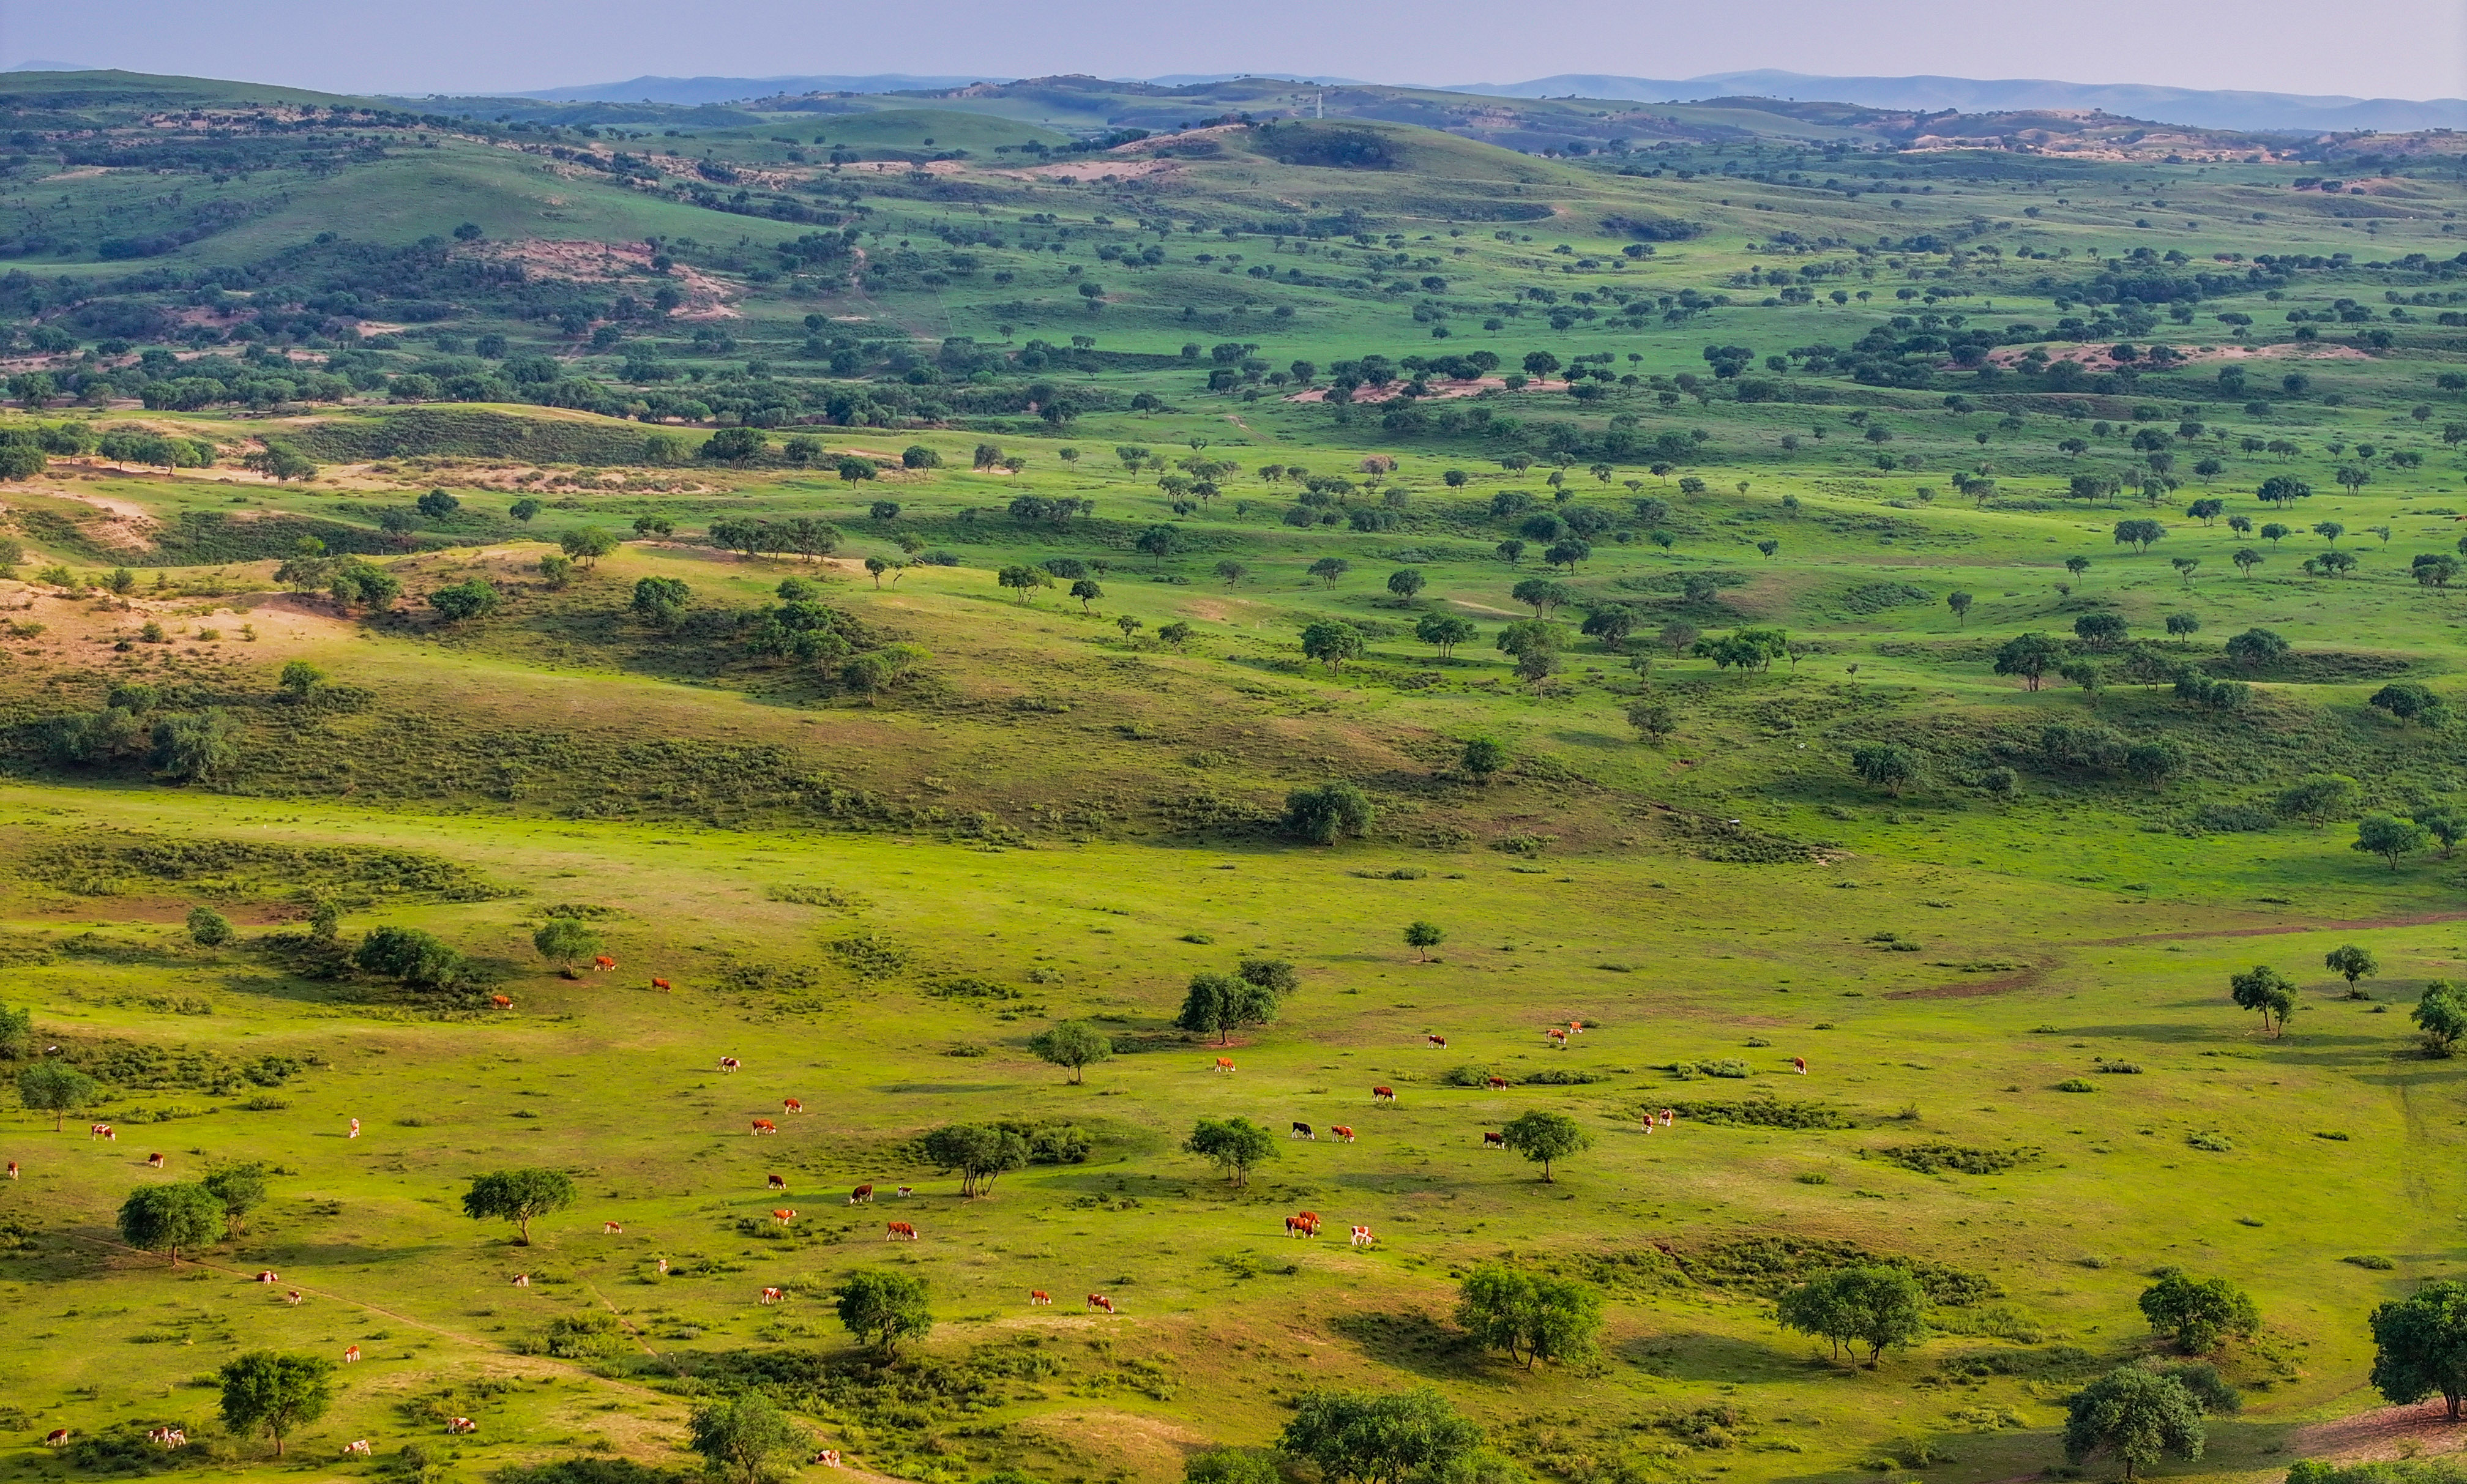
2412,48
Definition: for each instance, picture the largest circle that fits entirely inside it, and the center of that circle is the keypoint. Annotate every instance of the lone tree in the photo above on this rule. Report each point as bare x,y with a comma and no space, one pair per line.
743,1440
2390,838
1223,1003
1877,1305
1959,603
2029,655
1482,757
275,1394
167,1217
980,1152
1234,1145
1532,1318
2353,962
1405,582
2265,989
565,942
2137,1416
2197,1314
1380,1438
1886,765
1444,632
1546,1137
1075,1045
517,1196
2440,1018
1422,937
55,1088
1331,643
241,1188
1329,813
883,1309
2420,1346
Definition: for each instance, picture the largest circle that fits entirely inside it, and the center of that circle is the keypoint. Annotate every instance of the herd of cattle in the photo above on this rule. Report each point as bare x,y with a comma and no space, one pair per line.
1304,1223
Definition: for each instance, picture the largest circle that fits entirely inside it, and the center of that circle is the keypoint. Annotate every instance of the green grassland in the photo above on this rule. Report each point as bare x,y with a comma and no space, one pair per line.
873,874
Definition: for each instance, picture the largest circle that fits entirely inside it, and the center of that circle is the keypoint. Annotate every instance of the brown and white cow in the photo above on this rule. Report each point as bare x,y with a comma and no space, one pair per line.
898,1231
522,1280
1361,1236
1100,1301
772,1295
602,962
776,1181
501,1003
1225,1064
1496,1083
612,1228
791,1104
268,1275
58,1437
662,986
1343,1135
292,1297
1494,1140
728,1063
765,1125
1799,1065
1383,1095
153,1161
1038,1295
360,1447
352,1356
1436,1043
828,1458
102,1131
461,1424
861,1195
784,1216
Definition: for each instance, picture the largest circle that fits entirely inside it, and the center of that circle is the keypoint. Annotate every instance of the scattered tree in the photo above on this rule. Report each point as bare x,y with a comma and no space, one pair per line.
1879,1306
167,1217
1546,1137
1325,814
275,1394
1886,765
208,927
1531,1317
55,1088
2197,1314
981,1152
883,1310
2265,989
2420,1346
2353,961
519,1196
743,1440
565,942
1381,1438
2391,838
1234,1145
1482,757
1075,1044
2137,1416
1422,937
241,1188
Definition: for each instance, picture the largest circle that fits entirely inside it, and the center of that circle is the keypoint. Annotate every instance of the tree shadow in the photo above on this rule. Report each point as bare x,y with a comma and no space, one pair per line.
1683,1354
1413,1341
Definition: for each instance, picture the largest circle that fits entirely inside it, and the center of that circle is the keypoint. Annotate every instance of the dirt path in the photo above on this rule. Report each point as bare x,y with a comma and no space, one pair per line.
2349,925
2421,1429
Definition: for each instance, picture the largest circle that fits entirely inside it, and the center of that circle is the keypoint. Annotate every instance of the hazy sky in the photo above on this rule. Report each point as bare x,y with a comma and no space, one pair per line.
2372,48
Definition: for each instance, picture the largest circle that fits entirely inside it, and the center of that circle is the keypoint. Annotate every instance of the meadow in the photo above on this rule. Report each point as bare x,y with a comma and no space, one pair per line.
686,552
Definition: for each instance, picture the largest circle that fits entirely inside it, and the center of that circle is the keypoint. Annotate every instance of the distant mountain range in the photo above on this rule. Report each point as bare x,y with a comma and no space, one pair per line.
2201,108
2196,107
696,91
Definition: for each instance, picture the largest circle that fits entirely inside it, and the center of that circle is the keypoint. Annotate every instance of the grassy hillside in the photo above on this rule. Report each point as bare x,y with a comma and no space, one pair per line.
1935,615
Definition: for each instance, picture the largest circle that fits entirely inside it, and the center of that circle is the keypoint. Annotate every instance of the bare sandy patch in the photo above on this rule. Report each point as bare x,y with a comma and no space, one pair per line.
2103,357
599,263
1099,169
1151,1447
1440,390
2384,1432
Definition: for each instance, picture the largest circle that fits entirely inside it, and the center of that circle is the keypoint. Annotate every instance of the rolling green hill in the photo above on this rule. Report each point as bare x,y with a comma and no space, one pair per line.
1863,643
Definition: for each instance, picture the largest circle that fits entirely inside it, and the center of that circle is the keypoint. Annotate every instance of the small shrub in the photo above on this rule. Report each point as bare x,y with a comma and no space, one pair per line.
2210,1140
2368,1261
2075,1084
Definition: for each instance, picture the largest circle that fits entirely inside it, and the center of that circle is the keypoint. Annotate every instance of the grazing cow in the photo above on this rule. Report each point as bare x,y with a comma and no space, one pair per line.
1799,1065
662,986
772,1295
1436,1043
777,1182
1575,1027
784,1216
1383,1095
664,1266
905,1191
291,1297
902,1231
765,1125
611,1229
1225,1064
102,1130
728,1063
1296,1226
461,1424
55,1438
602,962
1309,1221
355,1128
862,1195
828,1458
1494,1140
522,1280
500,1002
1668,1118
1343,1134
1648,1120
352,1356
153,1161
267,1275
1303,1130
1100,1301
1557,1038
791,1104
1361,1236
361,1447
12,1169
1038,1295
166,1437
1496,1083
